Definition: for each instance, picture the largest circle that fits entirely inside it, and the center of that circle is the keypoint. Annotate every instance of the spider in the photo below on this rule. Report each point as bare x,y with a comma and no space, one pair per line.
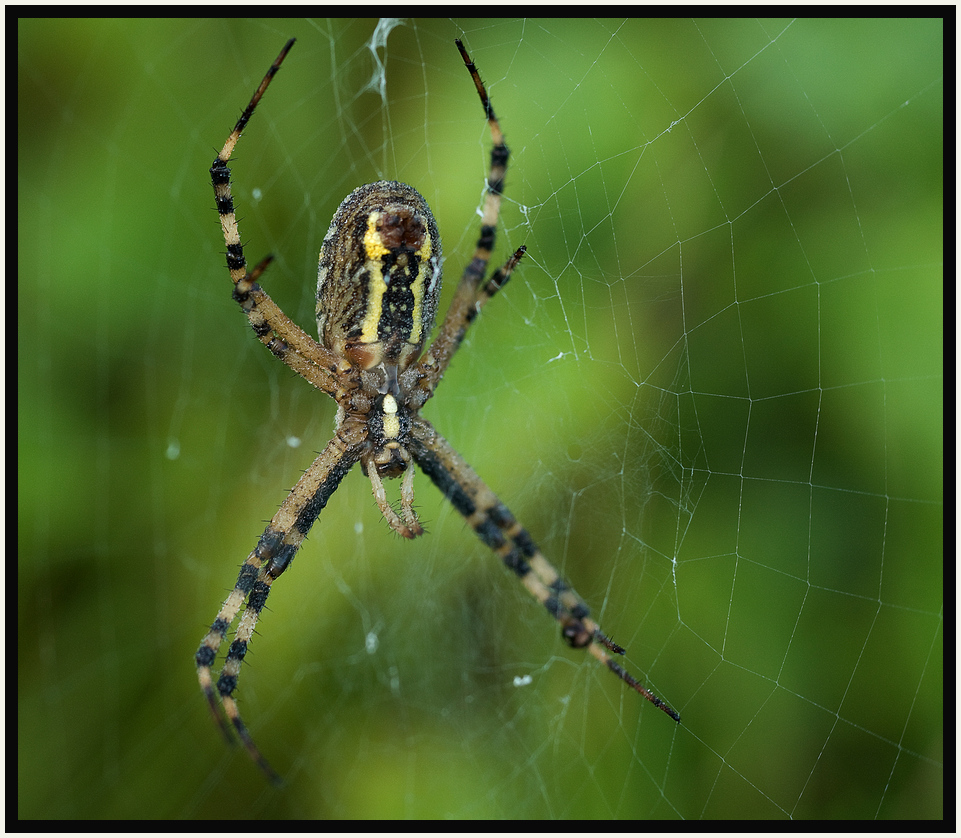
378,284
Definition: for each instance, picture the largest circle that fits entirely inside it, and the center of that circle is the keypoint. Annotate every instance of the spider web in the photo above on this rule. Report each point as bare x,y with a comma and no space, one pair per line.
712,392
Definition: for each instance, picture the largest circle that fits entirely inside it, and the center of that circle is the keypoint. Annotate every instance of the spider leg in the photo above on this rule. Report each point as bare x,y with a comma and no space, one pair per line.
288,342
274,329
220,176
272,556
499,530
471,295
495,180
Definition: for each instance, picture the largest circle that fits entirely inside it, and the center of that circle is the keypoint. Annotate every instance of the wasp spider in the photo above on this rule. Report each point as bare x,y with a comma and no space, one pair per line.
378,284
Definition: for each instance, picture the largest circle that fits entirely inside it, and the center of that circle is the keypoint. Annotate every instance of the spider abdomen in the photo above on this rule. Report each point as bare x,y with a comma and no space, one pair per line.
379,276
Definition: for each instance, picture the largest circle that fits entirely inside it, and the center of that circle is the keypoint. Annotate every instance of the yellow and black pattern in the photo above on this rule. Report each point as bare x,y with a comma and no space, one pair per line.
499,530
378,283
271,557
379,276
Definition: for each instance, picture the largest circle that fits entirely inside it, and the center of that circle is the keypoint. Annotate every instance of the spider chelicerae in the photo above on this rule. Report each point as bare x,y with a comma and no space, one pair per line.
378,284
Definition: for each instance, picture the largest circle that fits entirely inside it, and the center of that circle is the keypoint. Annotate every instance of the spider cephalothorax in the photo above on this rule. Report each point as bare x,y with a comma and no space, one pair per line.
378,284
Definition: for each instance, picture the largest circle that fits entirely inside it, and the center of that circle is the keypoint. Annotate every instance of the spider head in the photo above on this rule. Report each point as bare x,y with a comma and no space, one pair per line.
379,276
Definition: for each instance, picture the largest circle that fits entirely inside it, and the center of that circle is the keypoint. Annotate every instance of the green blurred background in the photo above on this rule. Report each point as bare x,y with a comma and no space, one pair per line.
713,393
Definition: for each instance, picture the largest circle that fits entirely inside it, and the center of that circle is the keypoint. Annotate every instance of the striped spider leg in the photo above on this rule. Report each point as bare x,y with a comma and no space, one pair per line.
378,284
